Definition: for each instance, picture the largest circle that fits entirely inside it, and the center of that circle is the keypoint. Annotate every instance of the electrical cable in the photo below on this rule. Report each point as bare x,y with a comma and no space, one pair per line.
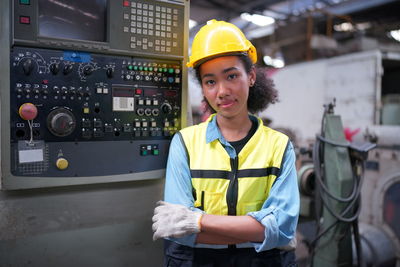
312,243
351,201
325,196
316,160
30,123
357,243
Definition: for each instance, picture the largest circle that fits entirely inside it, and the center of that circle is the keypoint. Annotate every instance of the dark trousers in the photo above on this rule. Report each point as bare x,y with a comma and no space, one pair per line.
177,255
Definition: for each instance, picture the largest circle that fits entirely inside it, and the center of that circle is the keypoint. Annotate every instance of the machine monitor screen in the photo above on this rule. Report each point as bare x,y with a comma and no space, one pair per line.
73,19
105,81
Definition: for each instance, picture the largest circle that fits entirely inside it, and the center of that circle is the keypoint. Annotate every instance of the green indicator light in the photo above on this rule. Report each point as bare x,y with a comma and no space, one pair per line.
171,70
145,68
24,2
160,69
135,68
144,152
151,69
155,152
140,68
129,67
165,69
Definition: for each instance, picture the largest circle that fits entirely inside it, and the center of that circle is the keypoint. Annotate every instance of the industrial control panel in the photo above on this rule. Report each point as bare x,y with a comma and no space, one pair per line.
94,91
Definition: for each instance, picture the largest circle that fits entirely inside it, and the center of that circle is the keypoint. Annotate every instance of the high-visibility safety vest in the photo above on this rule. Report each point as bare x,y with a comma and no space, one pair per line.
226,186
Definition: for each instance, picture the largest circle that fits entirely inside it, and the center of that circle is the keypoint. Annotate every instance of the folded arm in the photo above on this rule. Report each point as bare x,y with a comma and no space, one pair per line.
274,225
222,230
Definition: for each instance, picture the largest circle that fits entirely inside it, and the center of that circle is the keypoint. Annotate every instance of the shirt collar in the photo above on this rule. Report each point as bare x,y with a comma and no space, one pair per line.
213,133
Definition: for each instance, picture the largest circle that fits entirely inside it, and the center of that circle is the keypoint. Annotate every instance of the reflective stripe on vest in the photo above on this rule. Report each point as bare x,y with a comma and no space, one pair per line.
226,186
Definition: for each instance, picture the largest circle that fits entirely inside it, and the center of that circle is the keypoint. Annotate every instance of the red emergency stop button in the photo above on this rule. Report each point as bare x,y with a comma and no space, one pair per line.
126,3
25,20
28,111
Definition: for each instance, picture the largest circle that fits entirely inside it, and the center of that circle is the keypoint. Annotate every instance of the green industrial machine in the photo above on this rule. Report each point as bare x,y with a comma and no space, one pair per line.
331,193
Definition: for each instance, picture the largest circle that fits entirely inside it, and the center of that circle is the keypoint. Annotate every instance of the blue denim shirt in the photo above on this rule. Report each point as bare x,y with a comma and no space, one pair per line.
279,213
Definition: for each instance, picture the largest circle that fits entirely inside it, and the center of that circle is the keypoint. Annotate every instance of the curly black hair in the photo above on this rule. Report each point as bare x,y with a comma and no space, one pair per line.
261,94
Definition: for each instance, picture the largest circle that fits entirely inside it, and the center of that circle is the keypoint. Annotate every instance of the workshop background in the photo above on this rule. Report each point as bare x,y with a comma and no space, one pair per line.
318,52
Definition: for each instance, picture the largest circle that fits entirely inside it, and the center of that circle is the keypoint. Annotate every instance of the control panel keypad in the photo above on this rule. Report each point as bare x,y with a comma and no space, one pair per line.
155,23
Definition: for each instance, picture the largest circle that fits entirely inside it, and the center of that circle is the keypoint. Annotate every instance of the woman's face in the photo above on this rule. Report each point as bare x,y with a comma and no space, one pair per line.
225,84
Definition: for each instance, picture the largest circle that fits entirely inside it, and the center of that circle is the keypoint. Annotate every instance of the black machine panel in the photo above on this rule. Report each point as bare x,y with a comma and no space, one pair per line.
95,90
100,114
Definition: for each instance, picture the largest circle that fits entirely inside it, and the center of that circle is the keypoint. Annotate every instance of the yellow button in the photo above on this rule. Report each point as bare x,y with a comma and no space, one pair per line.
62,163
86,110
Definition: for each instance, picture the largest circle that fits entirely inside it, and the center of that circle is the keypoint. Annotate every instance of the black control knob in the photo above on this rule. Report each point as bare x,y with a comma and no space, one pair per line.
27,66
67,69
140,111
64,90
166,108
80,92
86,92
87,70
54,68
110,72
56,90
147,111
61,122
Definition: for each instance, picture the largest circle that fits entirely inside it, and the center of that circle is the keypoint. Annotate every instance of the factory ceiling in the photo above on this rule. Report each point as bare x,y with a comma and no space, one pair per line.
339,20
203,10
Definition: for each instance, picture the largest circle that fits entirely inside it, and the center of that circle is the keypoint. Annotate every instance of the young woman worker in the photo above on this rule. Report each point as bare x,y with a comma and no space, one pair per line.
231,195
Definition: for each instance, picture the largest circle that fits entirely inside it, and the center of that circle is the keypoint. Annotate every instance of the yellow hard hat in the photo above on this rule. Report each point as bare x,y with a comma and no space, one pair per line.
217,38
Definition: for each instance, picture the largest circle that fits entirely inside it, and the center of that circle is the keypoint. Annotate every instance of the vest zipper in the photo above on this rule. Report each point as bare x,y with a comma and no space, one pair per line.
202,200
232,192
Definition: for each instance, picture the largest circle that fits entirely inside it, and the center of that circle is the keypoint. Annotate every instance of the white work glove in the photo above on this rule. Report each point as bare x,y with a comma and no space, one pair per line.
173,220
